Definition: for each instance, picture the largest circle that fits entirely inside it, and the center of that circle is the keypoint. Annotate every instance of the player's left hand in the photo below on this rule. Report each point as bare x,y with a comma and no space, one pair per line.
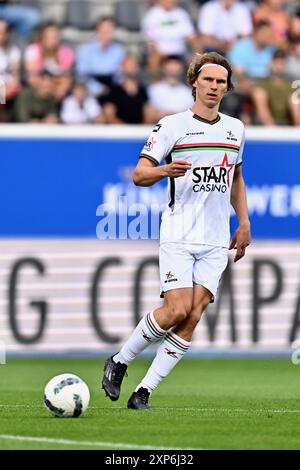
240,240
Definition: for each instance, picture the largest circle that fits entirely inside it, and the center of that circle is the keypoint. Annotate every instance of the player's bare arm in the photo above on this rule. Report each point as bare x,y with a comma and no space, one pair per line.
241,238
147,174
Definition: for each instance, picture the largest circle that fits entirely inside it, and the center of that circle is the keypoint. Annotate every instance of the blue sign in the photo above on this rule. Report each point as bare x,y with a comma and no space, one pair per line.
59,187
272,175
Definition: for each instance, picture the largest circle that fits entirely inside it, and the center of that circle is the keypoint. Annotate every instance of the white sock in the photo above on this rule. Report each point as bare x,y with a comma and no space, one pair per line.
168,355
147,331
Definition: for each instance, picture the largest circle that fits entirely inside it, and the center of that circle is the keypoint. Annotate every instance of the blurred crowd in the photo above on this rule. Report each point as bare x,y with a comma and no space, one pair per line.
48,80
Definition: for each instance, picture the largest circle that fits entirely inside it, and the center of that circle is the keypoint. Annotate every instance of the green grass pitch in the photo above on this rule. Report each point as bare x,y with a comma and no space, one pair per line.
203,404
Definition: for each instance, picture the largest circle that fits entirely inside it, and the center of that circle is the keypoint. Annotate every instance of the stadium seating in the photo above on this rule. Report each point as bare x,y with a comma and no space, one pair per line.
82,14
51,10
128,14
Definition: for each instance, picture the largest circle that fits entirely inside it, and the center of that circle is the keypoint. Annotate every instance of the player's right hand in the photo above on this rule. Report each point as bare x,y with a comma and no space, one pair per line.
177,168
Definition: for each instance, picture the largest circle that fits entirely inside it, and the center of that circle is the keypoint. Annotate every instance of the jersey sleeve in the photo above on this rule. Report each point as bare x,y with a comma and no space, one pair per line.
159,144
239,158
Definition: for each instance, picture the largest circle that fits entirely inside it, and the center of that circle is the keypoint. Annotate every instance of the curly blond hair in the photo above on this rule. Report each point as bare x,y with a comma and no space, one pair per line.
207,58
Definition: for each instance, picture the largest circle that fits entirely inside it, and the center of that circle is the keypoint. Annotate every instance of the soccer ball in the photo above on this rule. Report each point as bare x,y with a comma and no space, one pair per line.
66,395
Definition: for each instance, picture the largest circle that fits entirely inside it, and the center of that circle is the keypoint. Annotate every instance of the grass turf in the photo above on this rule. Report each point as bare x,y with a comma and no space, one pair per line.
203,404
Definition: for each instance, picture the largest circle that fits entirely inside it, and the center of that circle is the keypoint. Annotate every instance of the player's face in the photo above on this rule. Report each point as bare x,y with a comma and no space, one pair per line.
211,85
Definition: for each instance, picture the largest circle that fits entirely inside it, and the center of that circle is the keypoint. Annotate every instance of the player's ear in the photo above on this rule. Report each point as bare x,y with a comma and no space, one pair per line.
194,82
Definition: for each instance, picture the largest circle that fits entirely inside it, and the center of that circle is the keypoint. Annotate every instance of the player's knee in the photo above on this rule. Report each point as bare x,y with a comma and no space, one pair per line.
194,318
201,306
178,312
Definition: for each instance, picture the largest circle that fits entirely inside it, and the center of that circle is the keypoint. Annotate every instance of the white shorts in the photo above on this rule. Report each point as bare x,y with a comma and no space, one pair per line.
183,265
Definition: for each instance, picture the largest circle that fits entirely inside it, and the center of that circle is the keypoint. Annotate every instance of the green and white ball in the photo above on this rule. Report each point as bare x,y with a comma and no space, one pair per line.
66,395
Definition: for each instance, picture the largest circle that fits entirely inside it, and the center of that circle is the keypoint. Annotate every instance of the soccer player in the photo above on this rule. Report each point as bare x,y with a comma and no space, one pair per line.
202,150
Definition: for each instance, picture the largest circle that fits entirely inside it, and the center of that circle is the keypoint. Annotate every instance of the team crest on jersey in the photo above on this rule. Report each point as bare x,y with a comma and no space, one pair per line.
231,136
212,178
150,144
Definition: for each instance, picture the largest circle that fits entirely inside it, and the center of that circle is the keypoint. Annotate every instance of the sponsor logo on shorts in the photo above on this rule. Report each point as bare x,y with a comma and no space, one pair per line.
170,277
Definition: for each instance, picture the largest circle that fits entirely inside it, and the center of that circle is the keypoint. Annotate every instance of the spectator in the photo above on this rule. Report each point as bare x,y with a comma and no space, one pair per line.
168,30
171,94
51,55
222,22
48,53
294,27
80,108
127,102
99,60
238,102
293,61
252,56
273,96
272,10
37,104
23,19
10,61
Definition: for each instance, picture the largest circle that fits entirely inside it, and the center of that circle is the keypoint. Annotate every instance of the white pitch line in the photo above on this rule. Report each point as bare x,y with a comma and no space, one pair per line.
209,410
167,408
230,410
117,445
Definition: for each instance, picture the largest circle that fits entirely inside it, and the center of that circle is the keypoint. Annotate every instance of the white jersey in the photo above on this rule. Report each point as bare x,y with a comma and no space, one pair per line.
199,206
168,29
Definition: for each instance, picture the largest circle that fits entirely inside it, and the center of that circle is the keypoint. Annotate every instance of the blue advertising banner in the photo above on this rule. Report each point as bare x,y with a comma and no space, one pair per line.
62,188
